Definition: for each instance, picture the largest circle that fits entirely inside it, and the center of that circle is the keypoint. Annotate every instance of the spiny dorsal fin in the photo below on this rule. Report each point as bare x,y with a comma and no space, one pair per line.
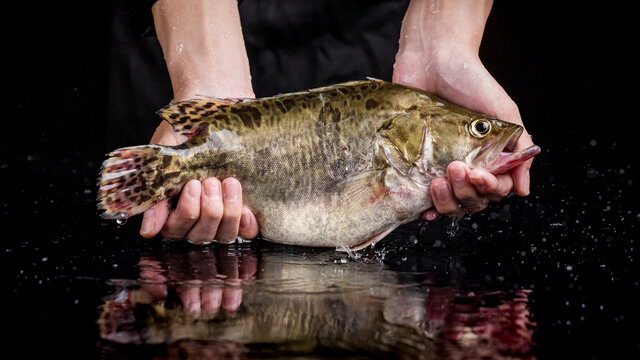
190,117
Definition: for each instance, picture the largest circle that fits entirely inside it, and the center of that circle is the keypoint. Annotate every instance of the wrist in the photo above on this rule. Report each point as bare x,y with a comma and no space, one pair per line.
432,28
203,48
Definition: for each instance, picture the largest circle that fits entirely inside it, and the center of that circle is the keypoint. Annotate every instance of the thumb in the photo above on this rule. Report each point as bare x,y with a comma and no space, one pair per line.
154,218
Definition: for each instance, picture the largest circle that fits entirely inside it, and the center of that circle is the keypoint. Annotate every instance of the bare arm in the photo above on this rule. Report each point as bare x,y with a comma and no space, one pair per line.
205,55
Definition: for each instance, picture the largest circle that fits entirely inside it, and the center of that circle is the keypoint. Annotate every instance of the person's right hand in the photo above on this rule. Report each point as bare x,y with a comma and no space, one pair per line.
205,211
201,61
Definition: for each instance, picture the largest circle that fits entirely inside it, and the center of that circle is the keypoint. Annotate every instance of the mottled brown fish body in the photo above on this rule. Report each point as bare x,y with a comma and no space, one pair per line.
334,166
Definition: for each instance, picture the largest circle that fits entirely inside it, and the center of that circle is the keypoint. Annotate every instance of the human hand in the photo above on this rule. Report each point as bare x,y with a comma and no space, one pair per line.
200,61
438,53
216,285
205,211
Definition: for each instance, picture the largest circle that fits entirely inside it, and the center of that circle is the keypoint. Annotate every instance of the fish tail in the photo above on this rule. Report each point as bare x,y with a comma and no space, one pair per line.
131,181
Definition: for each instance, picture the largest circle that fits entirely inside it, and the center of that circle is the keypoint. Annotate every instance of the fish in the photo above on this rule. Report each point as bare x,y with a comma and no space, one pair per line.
337,166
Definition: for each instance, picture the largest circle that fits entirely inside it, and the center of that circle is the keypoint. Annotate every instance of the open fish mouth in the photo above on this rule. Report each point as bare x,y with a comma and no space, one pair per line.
502,157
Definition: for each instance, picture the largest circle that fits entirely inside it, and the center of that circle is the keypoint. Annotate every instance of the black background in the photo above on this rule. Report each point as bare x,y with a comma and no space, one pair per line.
571,70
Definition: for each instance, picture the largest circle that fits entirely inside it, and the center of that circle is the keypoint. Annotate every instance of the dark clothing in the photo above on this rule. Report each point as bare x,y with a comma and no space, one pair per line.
292,45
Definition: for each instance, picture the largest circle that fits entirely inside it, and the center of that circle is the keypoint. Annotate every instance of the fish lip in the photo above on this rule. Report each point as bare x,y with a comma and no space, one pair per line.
512,140
508,157
490,152
501,156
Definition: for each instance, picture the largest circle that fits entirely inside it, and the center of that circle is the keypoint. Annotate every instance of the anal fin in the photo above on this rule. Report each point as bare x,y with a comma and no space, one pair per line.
371,241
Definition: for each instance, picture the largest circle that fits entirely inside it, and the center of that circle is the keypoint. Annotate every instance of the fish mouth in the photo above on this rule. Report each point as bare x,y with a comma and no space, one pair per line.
501,156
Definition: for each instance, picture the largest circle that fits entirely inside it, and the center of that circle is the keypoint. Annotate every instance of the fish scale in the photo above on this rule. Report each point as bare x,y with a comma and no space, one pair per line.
338,166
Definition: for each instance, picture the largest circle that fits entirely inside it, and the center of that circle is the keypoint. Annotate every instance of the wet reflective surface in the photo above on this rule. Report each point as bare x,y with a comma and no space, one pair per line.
293,301
553,275
550,275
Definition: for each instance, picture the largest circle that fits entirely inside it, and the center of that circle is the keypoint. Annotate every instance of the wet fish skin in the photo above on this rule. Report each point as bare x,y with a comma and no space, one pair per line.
337,166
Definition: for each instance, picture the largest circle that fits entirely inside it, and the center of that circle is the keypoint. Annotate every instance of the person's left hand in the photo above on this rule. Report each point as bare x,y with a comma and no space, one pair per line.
445,63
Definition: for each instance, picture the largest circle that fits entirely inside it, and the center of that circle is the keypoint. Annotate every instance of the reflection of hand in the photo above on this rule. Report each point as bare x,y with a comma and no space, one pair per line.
438,52
204,282
202,61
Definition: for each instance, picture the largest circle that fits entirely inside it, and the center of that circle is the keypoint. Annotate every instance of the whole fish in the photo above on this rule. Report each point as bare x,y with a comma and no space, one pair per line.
337,166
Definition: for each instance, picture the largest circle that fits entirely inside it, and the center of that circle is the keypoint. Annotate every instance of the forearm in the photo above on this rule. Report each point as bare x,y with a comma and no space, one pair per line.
430,26
203,47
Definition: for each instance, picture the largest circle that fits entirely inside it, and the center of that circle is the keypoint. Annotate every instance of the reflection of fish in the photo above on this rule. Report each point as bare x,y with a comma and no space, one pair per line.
305,304
336,166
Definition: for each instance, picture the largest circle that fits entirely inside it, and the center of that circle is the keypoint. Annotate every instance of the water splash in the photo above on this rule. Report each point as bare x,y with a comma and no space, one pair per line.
352,255
453,227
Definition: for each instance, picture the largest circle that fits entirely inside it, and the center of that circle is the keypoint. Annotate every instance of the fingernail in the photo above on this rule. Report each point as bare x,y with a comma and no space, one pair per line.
431,216
192,189
230,190
442,192
526,183
245,220
211,189
147,222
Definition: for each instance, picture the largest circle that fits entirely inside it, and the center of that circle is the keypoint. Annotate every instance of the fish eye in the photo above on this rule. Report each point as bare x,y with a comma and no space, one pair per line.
480,128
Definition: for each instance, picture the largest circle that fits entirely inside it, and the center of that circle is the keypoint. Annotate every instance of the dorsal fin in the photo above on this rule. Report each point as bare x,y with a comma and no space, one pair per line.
190,117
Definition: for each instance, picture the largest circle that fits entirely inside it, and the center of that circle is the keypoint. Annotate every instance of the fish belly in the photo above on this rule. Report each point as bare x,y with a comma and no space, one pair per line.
343,219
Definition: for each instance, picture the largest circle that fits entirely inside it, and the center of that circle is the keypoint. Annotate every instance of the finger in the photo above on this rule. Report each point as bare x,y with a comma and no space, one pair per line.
232,200
463,190
520,174
190,297
186,213
495,187
166,135
231,298
153,219
520,177
431,215
152,278
443,199
211,209
228,264
247,267
211,300
248,224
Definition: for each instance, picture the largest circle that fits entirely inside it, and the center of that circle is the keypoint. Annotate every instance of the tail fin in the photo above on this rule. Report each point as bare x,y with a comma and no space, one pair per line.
130,181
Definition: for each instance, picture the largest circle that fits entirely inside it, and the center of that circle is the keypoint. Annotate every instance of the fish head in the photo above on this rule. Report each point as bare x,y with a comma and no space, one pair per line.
474,138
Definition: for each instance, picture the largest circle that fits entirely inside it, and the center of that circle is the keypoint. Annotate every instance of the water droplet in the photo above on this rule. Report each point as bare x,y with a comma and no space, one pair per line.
122,219
593,142
180,47
592,173
453,227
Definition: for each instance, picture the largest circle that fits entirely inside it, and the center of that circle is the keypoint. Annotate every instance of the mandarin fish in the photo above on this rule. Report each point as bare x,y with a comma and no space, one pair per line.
337,166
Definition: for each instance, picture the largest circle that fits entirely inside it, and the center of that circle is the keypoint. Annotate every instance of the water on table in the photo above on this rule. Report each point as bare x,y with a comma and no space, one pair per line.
547,276
259,299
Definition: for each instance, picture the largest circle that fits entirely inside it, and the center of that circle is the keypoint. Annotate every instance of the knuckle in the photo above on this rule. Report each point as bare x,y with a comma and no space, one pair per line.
449,209
213,211
231,213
